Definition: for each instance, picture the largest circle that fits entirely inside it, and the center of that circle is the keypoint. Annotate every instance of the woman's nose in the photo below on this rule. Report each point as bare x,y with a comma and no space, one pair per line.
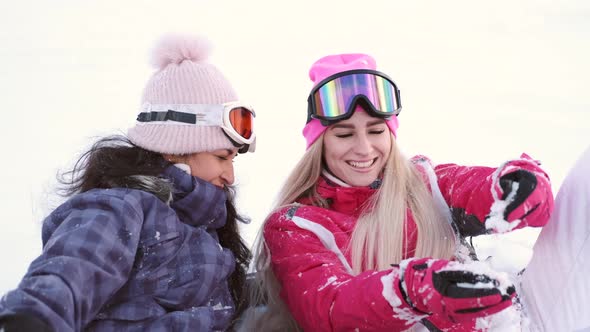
363,145
228,174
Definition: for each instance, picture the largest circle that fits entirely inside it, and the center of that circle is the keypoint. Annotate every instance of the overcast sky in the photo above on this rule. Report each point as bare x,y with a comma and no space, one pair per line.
481,82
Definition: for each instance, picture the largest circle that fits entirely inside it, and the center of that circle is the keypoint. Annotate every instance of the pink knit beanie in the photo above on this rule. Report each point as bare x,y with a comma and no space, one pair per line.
328,66
182,77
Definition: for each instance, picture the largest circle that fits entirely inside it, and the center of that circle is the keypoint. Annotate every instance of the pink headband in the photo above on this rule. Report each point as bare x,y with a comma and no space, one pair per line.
314,129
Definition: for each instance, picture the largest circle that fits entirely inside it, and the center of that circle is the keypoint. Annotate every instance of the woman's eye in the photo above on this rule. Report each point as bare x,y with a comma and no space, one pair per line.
377,132
343,135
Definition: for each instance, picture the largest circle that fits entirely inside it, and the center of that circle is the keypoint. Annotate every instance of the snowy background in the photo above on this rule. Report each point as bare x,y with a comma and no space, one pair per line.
481,82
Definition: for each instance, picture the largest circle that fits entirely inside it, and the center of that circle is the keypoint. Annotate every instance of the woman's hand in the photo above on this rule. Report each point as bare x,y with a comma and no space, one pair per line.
522,197
456,291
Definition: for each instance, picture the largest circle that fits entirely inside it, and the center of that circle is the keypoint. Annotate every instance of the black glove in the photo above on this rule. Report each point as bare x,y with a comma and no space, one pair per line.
527,182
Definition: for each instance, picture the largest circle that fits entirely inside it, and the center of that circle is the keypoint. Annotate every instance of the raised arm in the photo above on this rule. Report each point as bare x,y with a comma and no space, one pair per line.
496,200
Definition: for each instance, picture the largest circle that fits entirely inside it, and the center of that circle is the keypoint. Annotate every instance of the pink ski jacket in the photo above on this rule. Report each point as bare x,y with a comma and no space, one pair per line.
308,247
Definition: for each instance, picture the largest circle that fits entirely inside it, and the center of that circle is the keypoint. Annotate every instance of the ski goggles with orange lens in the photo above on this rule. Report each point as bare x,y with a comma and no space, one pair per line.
236,119
336,97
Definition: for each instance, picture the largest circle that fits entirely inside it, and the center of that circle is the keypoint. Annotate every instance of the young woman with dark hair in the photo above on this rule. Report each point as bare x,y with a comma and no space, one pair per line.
148,238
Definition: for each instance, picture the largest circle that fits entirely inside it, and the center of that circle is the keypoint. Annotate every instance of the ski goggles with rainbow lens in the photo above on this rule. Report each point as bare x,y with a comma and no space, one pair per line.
235,119
336,97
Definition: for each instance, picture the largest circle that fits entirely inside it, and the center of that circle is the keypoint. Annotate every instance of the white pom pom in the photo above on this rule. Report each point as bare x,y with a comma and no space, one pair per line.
177,48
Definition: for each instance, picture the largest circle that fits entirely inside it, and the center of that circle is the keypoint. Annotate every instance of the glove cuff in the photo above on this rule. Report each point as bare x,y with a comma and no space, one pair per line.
402,288
406,266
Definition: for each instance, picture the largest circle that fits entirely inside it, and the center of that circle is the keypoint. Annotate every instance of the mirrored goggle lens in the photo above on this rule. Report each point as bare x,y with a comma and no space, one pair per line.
333,99
241,120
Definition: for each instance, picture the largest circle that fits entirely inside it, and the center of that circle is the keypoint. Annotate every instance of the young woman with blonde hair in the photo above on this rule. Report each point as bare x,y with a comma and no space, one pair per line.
364,239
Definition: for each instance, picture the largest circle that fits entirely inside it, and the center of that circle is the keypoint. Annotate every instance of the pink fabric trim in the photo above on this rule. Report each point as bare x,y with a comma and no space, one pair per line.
314,129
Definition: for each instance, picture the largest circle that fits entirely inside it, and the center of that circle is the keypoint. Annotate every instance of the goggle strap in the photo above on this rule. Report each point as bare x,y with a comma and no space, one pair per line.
169,115
200,115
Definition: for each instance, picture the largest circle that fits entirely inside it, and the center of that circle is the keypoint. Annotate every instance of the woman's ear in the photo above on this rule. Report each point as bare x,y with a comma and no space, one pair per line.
171,158
178,161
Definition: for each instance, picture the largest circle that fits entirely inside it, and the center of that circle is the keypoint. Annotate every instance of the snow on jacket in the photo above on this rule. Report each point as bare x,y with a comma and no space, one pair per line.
308,247
122,259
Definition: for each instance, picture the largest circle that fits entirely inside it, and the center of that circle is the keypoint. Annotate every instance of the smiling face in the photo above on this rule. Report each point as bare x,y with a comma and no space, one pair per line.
356,149
215,167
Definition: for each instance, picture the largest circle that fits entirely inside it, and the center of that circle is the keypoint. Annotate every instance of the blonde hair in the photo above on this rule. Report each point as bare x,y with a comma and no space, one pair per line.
378,237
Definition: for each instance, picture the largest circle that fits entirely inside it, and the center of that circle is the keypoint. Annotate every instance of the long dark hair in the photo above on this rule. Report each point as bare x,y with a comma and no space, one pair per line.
115,161
229,237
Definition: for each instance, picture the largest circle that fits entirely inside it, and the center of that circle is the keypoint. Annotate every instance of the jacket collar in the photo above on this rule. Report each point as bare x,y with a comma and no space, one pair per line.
196,201
347,200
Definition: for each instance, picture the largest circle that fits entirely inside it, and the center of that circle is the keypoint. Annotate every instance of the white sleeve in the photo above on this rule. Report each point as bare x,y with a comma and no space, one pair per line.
556,287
